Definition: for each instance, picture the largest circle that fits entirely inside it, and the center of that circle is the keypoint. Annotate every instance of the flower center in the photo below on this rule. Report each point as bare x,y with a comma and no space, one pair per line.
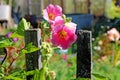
51,16
62,34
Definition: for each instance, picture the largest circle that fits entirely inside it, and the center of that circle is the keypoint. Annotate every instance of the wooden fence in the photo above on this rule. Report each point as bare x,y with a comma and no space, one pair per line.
33,60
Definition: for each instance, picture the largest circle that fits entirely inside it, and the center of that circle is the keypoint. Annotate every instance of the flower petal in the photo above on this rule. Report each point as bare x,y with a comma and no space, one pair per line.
51,12
61,39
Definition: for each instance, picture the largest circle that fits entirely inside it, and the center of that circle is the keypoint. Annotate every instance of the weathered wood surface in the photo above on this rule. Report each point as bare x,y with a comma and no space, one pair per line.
84,54
33,60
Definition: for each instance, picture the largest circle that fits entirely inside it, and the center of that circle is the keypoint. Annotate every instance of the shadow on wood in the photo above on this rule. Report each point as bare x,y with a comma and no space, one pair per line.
84,54
33,60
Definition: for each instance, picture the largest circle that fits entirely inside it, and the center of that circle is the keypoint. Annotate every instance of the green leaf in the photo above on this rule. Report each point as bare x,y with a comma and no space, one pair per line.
17,73
15,34
97,75
29,49
12,78
42,73
22,26
69,19
48,77
5,43
1,75
36,75
30,72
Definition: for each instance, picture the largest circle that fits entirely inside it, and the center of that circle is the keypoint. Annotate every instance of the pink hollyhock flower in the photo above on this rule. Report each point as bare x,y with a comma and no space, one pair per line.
63,36
58,21
51,12
71,26
113,34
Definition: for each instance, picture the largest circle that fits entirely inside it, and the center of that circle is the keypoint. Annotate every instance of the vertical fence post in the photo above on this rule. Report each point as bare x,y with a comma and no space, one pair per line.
33,60
84,54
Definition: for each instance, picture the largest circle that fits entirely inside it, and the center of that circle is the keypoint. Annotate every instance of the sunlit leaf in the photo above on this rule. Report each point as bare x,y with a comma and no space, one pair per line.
36,75
42,73
29,49
15,34
17,73
30,72
5,43
22,26
99,76
1,75
12,78
117,58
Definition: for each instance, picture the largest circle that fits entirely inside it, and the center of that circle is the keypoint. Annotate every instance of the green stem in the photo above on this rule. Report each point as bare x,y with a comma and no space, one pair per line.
113,52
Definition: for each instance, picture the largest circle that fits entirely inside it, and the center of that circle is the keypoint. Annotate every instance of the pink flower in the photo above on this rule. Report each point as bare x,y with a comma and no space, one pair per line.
71,26
64,56
113,34
63,36
51,12
58,21
15,39
8,35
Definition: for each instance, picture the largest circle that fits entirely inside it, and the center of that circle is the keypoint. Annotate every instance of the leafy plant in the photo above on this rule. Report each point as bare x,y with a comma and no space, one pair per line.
10,58
106,56
112,11
56,26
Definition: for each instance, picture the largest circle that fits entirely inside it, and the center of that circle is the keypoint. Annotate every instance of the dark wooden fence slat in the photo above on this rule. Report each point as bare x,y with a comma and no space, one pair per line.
33,60
84,54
